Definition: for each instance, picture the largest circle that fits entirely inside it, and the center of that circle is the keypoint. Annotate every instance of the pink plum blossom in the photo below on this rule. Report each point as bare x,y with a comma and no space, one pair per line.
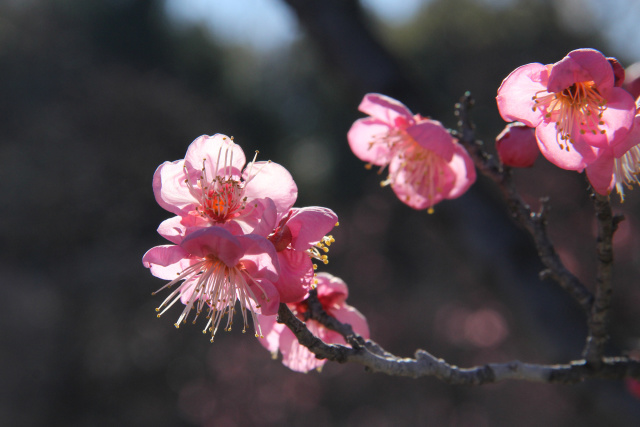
217,269
517,146
618,166
300,236
575,105
332,294
426,164
208,188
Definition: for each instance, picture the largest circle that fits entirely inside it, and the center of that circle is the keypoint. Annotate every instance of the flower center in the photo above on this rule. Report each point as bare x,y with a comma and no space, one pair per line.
213,286
221,196
222,200
422,168
626,170
580,105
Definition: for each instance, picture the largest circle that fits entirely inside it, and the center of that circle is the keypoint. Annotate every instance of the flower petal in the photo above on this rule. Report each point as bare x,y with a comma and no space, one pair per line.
215,241
576,158
309,225
351,316
166,261
431,135
294,355
296,275
170,190
600,173
215,153
515,94
387,110
268,179
363,137
464,170
582,65
259,257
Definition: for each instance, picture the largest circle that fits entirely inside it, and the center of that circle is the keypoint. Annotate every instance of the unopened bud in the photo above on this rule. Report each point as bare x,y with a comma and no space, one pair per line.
517,146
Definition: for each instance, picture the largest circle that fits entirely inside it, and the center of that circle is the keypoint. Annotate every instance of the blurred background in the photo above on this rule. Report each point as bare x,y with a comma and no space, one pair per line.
95,95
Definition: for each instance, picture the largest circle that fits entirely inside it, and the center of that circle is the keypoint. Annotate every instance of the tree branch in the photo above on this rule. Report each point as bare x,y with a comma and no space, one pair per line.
534,222
599,314
424,364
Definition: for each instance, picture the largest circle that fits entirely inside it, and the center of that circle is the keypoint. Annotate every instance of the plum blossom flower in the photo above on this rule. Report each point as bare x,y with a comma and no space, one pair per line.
299,237
208,188
517,146
332,294
218,269
575,105
426,164
618,166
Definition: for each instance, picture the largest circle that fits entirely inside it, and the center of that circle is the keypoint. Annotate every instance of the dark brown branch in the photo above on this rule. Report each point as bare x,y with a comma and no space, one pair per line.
599,314
534,222
425,364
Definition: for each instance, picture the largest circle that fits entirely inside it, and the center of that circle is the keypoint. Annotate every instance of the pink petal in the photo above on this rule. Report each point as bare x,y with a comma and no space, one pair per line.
174,229
296,275
582,65
386,109
214,241
271,331
261,220
577,158
294,355
600,173
268,179
214,153
365,139
351,316
463,169
332,288
425,193
431,135
631,140
170,190
259,257
267,299
618,117
515,94
166,261
309,225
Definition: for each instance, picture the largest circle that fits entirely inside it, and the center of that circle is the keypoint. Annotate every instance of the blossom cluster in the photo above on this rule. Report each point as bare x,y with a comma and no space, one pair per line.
236,239
583,118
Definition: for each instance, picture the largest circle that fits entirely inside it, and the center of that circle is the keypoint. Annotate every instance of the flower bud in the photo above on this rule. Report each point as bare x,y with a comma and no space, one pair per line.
517,146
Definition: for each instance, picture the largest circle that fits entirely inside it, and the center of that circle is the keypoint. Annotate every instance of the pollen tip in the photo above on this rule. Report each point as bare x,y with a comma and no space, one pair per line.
430,210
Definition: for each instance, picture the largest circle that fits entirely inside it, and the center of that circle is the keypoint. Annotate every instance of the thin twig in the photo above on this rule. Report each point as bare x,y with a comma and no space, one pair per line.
534,222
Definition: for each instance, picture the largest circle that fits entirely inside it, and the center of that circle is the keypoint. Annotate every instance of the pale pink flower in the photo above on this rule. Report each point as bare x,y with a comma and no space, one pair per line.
517,146
618,166
575,106
208,187
299,237
332,294
426,164
217,269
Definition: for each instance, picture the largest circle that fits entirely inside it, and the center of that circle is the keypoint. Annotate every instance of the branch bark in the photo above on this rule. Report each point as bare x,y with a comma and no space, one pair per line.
375,359
599,315
534,222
